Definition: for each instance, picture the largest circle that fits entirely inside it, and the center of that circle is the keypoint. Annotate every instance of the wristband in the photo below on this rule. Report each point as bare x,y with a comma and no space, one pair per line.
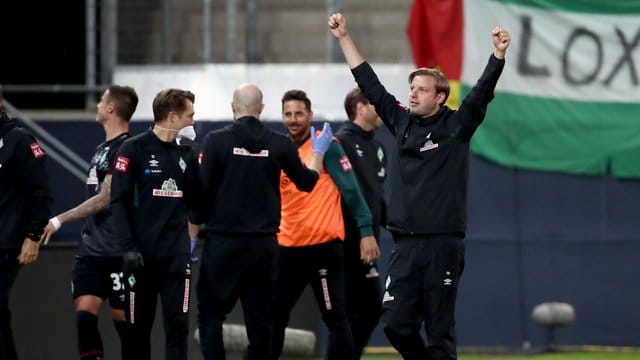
56,223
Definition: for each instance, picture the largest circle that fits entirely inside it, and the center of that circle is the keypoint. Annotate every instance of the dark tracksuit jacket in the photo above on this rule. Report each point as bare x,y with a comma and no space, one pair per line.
25,196
153,185
429,184
240,172
367,156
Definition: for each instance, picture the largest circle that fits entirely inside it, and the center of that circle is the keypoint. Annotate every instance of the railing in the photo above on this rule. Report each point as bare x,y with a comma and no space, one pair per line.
55,149
145,32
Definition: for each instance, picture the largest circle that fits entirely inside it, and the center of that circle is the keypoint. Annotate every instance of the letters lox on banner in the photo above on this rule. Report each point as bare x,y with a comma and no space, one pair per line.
569,97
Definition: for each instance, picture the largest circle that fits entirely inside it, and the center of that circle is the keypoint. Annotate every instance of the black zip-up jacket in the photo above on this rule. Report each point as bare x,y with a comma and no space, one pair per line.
367,156
25,197
430,168
240,173
154,184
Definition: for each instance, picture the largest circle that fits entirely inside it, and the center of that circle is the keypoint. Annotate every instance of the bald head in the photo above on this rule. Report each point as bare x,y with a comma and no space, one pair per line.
247,101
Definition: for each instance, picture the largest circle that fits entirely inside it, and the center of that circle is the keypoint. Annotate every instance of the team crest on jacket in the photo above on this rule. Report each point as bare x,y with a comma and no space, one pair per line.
285,183
359,151
346,164
122,163
244,152
36,150
169,189
429,145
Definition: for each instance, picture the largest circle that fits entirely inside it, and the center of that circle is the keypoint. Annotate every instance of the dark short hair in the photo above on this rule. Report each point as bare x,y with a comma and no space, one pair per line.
442,84
169,100
296,95
351,101
126,100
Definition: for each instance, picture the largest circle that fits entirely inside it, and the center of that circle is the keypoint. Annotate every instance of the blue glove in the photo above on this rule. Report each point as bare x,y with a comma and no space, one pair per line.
194,258
321,143
132,262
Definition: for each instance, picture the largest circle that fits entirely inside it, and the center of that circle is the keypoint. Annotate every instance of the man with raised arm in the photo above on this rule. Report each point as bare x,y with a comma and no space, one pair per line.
427,210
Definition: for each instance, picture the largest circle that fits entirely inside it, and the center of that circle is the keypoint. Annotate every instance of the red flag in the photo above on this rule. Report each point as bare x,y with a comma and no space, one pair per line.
435,30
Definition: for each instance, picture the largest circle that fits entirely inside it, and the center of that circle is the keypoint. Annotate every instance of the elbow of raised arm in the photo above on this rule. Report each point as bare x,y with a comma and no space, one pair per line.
309,184
306,187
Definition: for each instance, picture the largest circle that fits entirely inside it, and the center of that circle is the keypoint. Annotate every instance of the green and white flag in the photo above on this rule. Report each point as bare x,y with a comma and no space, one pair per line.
569,97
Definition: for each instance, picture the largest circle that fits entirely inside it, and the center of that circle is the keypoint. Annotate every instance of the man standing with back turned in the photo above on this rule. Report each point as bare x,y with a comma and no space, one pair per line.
427,211
240,171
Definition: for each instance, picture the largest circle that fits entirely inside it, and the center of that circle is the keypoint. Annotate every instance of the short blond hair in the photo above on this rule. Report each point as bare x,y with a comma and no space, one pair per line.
442,83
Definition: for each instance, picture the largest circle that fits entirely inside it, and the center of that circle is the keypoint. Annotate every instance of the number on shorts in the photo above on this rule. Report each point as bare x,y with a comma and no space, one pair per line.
117,281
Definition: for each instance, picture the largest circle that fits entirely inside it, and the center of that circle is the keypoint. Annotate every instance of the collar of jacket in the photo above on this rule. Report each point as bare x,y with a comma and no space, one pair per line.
6,124
430,119
248,120
359,131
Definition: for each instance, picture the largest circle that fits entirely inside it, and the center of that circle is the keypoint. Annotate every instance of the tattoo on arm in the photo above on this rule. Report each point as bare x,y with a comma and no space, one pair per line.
92,205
